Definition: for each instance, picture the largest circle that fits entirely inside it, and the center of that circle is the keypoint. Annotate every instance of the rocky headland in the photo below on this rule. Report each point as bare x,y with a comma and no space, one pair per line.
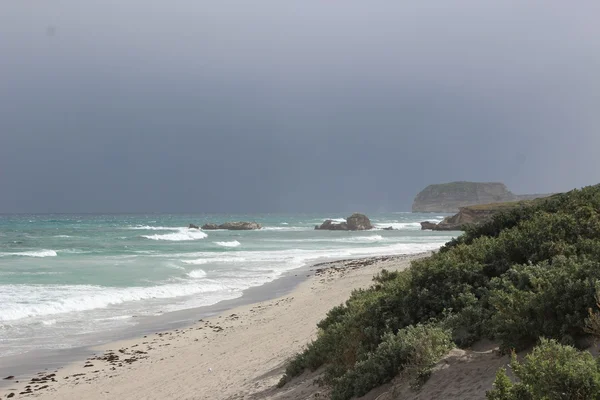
451,197
472,215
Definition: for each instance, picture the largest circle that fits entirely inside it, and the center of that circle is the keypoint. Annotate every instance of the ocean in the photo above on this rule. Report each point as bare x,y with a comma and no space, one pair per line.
64,278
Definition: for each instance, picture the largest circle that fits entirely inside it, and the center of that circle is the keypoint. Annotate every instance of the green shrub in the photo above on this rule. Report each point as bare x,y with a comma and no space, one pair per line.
552,371
529,272
416,348
550,299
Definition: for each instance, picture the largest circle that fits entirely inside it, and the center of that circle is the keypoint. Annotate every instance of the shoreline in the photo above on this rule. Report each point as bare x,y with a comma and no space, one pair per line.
30,363
108,364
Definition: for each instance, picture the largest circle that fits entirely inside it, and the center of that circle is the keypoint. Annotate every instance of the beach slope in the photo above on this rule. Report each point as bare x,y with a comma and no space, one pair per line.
239,354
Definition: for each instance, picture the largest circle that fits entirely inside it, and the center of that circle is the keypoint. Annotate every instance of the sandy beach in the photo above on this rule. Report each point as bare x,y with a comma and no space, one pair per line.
239,354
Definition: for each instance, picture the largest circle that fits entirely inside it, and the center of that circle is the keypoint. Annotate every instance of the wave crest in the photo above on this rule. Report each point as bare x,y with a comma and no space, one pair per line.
154,228
233,243
182,234
36,253
196,274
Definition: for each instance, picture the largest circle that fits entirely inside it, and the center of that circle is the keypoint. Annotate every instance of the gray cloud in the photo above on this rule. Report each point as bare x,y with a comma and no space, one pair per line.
301,106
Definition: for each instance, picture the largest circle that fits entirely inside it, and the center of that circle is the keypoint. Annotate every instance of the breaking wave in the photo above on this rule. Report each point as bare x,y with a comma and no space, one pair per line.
182,234
37,253
197,273
234,243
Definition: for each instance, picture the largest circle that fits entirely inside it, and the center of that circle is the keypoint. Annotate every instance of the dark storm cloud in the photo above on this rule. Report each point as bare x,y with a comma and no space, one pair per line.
291,106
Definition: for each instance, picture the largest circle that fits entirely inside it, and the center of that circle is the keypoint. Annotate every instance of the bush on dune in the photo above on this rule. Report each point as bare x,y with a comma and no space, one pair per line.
551,371
415,349
529,272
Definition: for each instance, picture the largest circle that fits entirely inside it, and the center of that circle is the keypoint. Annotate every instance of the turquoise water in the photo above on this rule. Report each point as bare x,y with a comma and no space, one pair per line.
65,276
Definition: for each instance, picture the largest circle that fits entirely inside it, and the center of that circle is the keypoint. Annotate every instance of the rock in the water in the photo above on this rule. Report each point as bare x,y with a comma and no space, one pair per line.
240,226
209,227
192,226
329,225
355,222
359,222
428,225
389,228
233,226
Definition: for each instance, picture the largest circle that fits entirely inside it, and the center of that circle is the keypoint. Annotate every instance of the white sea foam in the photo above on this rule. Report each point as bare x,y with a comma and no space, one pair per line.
182,234
398,225
62,236
173,266
284,223
361,239
199,261
37,253
197,273
23,301
49,322
233,243
154,228
74,251
286,228
212,259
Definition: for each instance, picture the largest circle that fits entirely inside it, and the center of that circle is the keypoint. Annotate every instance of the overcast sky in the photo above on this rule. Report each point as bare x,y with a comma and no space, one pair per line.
329,105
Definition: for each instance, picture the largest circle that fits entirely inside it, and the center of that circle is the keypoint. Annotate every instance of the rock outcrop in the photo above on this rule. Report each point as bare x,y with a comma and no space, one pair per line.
358,222
233,226
329,225
471,215
428,225
192,226
210,227
451,197
355,222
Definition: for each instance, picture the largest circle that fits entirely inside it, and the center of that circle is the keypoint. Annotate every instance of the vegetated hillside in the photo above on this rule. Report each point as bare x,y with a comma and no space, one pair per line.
450,197
475,215
529,272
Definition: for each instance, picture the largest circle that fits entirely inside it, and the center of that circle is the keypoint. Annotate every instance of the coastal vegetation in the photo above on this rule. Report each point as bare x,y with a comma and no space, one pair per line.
528,273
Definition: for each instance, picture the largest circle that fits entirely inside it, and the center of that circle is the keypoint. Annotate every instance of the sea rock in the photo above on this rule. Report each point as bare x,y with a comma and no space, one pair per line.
240,226
450,197
329,225
233,226
355,222
428,225
359,222
389,228
192,226
208,227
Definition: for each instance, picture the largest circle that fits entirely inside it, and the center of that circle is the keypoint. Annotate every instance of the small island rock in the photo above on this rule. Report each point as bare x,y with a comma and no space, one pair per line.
359,222
210,227
355,222
233,226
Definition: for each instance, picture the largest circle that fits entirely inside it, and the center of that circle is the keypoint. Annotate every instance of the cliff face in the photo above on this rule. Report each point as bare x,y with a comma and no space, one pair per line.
450,197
